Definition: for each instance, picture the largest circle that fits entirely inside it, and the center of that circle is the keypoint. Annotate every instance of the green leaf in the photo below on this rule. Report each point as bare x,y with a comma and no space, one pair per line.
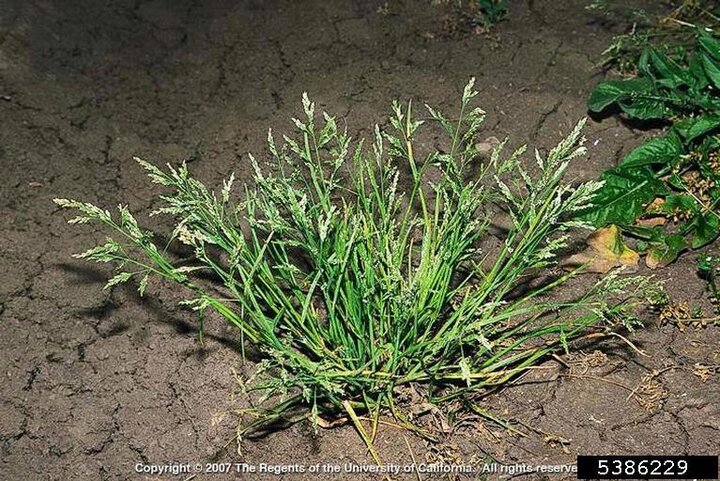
708,43
709,144
663,253
699,79
705,229
711,69
613,91
643,63
693,128
118,279
701,100
679,203
655,151
672,76
648,235
624,196
644,108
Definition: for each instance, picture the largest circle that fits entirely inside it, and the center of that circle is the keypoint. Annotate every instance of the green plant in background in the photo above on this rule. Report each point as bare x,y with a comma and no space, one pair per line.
708,267
478,15
674,176
352,286
671,32
491,11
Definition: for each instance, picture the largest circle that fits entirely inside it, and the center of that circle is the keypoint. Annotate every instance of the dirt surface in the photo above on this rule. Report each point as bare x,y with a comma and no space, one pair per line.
97,383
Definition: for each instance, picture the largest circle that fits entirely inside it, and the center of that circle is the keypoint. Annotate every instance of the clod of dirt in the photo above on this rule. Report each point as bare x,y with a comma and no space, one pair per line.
486,147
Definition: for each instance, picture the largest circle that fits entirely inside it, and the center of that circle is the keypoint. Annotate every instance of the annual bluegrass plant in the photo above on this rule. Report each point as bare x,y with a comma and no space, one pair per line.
353,286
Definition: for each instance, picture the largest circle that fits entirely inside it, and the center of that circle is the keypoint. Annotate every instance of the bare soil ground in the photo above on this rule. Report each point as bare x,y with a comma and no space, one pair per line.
96,382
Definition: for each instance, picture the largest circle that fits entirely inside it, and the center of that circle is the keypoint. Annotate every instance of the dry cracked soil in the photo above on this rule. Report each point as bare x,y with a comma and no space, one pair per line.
98,384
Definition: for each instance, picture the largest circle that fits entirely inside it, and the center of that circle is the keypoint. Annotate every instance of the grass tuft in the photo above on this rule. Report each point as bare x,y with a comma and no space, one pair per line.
355,275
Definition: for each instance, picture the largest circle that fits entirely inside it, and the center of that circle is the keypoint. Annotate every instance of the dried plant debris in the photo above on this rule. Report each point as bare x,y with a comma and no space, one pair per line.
704,371
683,316
606,250
650,393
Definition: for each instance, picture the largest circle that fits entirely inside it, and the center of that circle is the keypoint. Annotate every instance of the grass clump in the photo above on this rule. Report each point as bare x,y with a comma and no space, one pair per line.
353,286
